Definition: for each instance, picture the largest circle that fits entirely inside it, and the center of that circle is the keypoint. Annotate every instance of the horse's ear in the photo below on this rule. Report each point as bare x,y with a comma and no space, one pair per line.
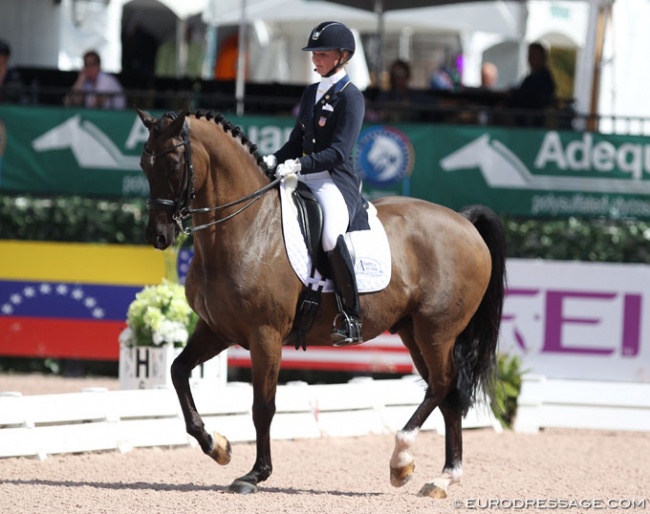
175,127
147,119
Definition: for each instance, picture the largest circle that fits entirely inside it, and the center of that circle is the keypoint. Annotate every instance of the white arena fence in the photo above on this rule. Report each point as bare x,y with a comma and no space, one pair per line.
563,403
98,419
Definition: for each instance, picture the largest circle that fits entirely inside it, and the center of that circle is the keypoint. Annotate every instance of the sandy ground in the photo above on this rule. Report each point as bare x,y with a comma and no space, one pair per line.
599,471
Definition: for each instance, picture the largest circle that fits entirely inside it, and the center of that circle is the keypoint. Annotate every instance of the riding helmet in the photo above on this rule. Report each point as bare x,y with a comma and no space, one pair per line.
331,35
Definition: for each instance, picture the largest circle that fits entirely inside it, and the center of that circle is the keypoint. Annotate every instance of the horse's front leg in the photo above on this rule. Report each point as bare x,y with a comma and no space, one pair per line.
202,346
266,355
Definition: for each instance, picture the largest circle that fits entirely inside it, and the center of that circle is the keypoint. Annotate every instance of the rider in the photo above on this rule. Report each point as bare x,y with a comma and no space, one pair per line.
319,151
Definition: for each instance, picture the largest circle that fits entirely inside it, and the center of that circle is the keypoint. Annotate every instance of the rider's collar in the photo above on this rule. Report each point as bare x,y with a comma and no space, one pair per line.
327,82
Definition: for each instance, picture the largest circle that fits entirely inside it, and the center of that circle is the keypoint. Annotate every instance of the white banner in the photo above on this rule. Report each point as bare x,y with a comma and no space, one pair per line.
579,320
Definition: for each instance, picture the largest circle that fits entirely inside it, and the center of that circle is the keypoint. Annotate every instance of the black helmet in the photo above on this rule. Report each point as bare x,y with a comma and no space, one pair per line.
331,35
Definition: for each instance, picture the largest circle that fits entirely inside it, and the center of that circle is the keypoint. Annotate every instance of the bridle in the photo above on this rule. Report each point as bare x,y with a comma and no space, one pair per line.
181,207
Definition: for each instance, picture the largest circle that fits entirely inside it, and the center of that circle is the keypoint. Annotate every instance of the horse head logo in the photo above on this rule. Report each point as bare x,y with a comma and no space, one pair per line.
89,145
384,155
499,166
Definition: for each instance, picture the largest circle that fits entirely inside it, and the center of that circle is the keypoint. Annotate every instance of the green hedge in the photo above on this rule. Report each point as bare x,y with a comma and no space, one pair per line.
122,221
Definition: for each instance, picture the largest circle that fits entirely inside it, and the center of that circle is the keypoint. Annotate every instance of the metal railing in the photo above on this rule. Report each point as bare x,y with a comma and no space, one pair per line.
463,112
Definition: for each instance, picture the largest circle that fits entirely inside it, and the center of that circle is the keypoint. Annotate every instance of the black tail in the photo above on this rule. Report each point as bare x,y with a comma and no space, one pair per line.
476,347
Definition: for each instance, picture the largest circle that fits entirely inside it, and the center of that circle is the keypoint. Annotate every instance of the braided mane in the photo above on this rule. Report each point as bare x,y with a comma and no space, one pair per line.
235,132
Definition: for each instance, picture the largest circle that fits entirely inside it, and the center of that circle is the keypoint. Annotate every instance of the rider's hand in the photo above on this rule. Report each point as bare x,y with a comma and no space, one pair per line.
288,167
270,161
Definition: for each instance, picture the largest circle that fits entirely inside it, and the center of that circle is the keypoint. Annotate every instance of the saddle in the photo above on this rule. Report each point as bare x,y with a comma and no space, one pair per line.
310,220
302,224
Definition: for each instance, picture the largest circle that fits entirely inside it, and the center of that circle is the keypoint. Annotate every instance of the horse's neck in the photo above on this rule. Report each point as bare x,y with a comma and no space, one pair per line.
234,175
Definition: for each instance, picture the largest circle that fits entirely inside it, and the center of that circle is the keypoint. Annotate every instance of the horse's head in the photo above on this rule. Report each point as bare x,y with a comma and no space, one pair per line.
166,163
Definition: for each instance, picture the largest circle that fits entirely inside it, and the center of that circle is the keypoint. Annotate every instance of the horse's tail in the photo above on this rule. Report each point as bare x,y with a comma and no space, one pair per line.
476,347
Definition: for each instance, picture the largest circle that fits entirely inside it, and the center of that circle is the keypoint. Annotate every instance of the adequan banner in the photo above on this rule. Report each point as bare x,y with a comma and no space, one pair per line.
522,172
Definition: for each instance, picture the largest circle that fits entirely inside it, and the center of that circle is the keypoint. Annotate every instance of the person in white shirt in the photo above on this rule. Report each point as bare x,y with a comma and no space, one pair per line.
95,88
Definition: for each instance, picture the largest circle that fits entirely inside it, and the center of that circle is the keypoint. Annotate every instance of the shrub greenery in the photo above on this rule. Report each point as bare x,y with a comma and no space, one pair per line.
93,220
507,389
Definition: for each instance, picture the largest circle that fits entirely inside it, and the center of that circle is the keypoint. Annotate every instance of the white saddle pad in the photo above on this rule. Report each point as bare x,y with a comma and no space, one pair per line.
370,248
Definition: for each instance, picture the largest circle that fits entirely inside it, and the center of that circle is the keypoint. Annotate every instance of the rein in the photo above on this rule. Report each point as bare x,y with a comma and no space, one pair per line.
182,206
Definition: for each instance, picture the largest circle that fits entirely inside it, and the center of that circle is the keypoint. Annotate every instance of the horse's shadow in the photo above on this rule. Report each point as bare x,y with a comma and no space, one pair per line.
183,488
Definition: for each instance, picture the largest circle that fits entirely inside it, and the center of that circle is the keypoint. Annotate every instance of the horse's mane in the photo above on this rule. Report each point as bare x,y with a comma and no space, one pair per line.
229,128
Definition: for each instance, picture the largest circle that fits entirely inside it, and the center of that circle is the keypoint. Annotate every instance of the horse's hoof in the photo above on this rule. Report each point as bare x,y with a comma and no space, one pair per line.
432,491
221,451
241,487
400,476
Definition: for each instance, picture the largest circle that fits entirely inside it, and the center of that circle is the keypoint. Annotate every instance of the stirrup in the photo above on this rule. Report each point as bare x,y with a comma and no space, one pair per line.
349,332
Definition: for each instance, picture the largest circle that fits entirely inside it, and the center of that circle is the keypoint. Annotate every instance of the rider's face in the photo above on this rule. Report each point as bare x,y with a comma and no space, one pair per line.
325,60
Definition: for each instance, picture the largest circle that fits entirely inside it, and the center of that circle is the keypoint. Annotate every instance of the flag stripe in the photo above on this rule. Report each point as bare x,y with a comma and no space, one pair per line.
65,301
58,338
81,262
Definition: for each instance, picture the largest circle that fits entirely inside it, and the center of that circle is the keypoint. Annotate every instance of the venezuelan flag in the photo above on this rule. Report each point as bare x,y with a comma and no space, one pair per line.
63,300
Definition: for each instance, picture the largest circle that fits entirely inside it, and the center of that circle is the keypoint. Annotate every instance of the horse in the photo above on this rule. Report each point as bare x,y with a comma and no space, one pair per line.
444,298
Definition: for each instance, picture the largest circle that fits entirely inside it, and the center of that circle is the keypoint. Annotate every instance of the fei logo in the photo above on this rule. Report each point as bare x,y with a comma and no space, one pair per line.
384,155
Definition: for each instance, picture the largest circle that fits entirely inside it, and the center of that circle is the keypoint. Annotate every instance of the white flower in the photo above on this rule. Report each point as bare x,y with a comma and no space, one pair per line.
159,315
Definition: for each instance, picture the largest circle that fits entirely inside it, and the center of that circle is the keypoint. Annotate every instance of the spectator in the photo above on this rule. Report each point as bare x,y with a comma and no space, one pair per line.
401,103
489,75
445,79
9,79
537,91
95,88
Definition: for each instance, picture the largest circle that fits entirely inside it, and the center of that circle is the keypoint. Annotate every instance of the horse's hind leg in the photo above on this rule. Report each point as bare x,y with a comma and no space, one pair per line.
402,462
201,347
434,362
453,468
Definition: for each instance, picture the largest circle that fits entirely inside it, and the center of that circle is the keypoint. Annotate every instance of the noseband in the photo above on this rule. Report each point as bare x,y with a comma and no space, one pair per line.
181,207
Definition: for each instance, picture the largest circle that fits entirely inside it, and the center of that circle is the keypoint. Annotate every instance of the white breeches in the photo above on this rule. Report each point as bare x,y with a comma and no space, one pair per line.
335,211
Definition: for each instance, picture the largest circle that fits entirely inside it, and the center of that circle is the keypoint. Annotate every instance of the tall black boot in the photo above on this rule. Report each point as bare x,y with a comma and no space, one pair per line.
347,324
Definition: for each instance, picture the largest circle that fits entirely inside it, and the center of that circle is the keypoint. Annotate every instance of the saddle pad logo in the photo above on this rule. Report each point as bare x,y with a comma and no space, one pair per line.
384,155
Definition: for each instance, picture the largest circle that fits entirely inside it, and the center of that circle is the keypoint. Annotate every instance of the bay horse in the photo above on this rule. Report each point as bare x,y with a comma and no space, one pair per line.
444,299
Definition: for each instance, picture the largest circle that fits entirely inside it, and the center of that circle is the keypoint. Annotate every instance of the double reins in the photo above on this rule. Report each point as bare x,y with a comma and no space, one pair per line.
182,208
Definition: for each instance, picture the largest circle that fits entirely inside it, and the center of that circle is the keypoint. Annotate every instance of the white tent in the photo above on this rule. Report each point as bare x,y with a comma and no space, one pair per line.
625,73
284,25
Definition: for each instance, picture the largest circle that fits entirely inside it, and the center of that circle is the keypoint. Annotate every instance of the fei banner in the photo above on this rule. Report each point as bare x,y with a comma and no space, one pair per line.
523,172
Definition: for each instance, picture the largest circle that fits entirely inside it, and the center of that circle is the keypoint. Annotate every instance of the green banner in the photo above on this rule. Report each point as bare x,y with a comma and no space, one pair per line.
88,152
527,172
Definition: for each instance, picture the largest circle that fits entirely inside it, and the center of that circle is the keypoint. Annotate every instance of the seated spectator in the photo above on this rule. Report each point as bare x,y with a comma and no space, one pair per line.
537,91
401,103
489,75
95,88
9,79
444,79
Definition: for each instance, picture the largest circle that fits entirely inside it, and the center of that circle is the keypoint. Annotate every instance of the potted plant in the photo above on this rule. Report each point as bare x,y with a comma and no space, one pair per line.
159,323
159,315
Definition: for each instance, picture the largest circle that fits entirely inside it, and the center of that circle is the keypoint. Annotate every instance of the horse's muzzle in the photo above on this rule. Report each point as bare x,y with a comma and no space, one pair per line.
160,236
